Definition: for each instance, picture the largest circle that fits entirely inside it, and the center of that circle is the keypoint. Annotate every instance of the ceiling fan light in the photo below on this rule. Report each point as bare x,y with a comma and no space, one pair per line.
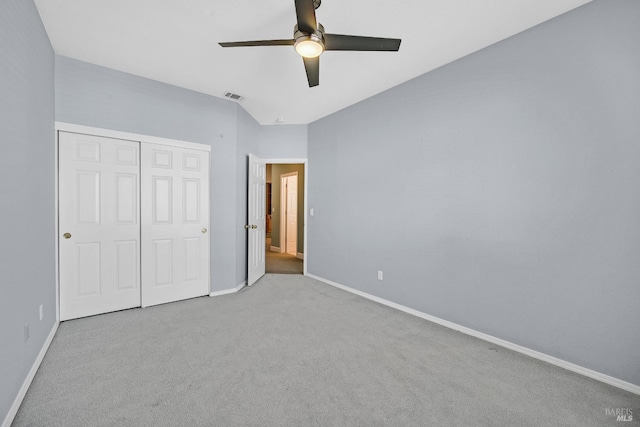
309,47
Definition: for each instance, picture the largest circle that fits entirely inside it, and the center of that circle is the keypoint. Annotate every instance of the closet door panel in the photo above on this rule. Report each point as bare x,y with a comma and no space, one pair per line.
175,223
99,225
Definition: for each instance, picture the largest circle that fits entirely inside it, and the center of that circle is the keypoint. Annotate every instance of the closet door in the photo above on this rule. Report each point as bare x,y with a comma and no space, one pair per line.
99,225
175,223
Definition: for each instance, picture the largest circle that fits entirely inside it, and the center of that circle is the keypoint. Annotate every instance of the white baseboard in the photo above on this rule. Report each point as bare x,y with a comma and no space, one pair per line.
274,249
299,255
228,291
27,381
624,385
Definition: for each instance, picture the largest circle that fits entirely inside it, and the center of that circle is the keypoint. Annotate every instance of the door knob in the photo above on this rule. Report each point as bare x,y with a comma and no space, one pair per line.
254,226
67,235
247,226
204,230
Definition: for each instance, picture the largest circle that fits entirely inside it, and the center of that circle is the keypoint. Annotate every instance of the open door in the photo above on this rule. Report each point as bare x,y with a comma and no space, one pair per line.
256,219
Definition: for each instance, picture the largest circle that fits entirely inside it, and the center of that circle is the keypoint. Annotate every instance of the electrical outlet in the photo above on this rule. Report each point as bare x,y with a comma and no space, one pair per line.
26,332
379,274
41,311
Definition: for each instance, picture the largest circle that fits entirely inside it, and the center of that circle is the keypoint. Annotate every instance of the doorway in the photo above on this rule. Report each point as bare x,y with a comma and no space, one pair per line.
289,213
285,213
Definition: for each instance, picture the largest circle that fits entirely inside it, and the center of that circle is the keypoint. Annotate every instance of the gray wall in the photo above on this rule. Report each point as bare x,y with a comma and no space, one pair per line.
91,95
276,171
27,267
500,192
282,142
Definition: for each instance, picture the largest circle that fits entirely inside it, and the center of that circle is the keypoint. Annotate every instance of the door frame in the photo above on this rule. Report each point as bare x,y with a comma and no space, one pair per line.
107,133
305,162
283,218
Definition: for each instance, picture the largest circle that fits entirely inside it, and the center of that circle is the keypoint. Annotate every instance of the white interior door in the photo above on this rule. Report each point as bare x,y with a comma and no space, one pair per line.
175,223
292,214
99,225
256,217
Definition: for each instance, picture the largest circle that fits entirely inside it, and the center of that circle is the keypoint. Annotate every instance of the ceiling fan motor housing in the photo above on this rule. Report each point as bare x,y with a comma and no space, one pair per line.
317,35
315,39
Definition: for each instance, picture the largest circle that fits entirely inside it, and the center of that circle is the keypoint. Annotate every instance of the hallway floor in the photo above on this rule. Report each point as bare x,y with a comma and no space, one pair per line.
281,263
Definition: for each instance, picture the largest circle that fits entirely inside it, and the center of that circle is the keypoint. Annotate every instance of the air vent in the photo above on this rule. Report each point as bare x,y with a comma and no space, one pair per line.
233,96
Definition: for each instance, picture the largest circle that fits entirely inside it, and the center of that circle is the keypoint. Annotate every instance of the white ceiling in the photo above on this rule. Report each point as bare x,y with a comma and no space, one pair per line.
176,42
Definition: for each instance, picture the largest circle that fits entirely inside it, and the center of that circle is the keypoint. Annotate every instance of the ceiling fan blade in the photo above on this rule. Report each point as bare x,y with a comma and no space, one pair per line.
342,42
306,12
312,66
259,43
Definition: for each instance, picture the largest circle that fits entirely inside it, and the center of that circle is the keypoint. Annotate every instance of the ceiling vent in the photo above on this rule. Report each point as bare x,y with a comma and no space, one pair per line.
233,96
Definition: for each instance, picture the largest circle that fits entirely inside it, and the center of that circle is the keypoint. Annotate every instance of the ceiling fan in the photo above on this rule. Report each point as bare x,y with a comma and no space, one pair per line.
310,40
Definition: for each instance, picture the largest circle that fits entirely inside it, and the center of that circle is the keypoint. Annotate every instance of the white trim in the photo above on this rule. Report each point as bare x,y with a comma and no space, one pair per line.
275,249
305,217
27,381
285,161
109,133
284,197
228,291
281,213
208,224
56,226
506,344
287,175
305,162
299,255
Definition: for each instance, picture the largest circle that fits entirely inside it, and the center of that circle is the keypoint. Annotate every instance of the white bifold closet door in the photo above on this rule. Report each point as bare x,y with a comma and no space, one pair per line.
99,221
175,222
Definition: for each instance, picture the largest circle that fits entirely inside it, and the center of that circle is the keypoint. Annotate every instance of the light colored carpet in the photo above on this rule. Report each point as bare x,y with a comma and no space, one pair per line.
291,351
